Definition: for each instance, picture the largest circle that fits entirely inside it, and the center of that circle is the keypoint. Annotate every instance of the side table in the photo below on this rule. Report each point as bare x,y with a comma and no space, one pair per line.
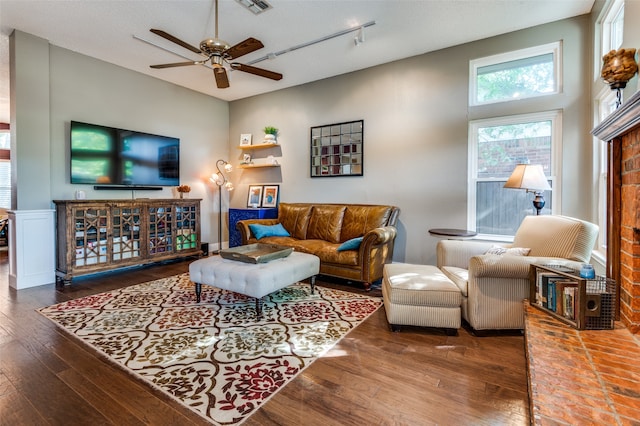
235,239
453,234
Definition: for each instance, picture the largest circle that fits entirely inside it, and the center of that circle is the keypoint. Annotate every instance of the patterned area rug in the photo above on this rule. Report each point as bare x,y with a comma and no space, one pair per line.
214,357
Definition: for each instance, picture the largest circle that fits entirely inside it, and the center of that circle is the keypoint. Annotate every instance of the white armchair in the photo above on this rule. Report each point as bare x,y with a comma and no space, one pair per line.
493,286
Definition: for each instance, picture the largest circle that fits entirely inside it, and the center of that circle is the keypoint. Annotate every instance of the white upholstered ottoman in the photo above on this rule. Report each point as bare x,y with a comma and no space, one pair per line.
420,295
254,280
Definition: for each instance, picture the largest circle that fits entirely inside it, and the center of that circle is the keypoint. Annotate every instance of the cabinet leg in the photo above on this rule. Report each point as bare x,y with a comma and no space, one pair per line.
198,291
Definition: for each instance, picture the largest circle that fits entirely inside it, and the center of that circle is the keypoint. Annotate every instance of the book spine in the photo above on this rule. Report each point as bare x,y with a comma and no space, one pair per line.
570,302
551,295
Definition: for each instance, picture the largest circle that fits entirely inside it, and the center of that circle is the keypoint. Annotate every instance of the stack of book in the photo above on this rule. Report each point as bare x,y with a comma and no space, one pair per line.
558,294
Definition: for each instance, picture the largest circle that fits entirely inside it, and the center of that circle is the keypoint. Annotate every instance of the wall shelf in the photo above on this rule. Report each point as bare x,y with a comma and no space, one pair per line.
258,146
257,166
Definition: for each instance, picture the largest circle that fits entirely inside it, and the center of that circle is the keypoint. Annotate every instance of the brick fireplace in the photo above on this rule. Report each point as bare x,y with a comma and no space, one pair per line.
621,131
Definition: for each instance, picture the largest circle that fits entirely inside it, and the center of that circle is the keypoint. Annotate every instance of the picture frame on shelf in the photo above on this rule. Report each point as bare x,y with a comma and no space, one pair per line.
270,195
245,139
246,159
254,197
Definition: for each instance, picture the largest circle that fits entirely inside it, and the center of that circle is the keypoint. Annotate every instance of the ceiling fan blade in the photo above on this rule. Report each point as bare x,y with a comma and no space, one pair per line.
176,64
176,40
222,81
249,45
256,71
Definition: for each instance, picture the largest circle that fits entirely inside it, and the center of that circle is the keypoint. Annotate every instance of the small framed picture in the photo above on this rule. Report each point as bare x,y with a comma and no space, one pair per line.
246,159
255,196
270,195
245,139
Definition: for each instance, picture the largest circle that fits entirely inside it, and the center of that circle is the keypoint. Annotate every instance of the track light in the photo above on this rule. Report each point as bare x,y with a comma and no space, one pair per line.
359,38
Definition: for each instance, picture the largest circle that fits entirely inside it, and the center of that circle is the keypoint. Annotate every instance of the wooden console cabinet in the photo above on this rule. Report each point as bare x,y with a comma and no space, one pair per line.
99,235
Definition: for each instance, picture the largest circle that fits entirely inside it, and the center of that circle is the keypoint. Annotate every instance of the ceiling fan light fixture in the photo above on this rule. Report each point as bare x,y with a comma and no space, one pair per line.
217,61
213,45
255,6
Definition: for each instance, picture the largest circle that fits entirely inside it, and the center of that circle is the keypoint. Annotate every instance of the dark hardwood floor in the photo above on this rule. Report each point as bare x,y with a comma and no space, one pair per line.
373,376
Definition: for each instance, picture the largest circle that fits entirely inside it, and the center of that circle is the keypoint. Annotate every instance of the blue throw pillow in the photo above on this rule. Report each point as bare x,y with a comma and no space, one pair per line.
261,231
352,244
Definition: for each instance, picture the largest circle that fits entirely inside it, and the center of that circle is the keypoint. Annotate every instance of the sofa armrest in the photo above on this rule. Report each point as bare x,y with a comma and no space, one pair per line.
245,232
458,252
496,266
379,236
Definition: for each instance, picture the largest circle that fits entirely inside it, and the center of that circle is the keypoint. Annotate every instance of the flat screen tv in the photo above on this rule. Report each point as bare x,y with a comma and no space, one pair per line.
103,155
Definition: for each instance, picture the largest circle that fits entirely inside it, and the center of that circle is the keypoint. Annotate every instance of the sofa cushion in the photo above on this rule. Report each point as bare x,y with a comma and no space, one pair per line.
325,223
295,218
261,231
358,220
352,244
327,252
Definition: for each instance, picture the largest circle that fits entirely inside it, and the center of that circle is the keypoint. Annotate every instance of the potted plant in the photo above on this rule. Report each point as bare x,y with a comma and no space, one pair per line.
270,133
183,189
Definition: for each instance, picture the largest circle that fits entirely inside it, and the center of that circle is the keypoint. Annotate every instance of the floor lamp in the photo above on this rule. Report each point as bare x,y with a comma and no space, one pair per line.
221,181
531,178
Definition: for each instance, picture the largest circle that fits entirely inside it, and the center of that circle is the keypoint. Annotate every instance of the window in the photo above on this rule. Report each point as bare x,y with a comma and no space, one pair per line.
612,26
606,105
515,75
496,147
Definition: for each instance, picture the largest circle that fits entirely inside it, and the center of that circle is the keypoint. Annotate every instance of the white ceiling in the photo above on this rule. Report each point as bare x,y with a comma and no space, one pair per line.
110,30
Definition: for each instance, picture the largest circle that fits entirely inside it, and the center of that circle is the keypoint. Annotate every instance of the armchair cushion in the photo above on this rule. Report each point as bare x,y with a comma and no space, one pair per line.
557,236
459,276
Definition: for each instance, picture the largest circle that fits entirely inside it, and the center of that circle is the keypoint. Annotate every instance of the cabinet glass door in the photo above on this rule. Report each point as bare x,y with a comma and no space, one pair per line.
91,236
160,230
186,224
126,233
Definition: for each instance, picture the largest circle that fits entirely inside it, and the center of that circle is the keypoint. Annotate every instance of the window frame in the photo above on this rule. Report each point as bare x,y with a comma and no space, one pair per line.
555,116
605,105
554,48
611,15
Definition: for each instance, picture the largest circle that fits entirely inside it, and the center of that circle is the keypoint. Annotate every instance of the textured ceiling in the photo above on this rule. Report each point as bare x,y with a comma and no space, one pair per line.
118,32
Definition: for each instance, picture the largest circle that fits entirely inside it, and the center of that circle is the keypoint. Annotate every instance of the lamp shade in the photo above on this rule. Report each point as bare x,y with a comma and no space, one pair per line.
528,176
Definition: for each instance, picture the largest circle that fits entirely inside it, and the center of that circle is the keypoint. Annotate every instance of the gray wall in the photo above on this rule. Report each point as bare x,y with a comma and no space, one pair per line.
416,124
416,117
53,86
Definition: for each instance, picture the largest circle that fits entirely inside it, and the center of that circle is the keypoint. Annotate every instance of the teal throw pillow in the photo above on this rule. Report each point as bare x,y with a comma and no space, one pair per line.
352,244
261,231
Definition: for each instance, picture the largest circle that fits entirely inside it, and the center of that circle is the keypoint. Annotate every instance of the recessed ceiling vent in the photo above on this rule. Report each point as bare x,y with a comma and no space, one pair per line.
255,6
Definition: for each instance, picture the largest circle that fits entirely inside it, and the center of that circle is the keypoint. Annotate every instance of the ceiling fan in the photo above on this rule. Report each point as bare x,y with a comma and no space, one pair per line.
218,52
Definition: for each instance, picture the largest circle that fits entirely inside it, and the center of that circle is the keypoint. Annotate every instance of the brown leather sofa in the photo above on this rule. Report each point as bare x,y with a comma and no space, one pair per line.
320,229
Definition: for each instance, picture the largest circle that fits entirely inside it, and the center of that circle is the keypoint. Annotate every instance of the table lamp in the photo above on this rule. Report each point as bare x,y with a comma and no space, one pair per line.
531,178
